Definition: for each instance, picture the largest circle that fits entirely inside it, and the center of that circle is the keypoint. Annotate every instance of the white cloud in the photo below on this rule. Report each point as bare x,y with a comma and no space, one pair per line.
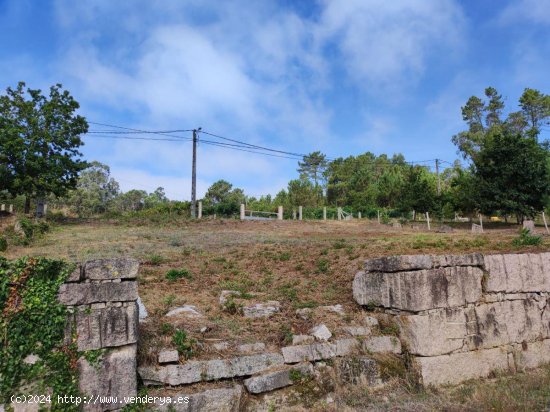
519,11
385,44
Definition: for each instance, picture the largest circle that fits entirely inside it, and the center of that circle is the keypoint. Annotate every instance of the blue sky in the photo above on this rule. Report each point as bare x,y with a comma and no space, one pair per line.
340,76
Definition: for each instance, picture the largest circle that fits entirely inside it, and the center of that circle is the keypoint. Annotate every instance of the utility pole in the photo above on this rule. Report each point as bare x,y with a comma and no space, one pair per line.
194,175
438,178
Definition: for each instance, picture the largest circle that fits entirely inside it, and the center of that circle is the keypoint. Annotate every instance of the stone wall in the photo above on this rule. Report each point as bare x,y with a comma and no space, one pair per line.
101,296
464,317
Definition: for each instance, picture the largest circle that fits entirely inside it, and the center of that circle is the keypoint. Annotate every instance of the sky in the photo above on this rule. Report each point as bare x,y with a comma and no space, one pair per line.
341,76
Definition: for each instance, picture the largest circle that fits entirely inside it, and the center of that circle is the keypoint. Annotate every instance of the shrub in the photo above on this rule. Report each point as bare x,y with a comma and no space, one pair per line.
3,244
525,238
175,274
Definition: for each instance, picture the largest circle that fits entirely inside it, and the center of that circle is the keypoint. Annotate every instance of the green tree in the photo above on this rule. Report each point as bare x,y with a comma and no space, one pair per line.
39,142
158,197
301,192
419,192
95,190
535,107
313,167
511,175
223,199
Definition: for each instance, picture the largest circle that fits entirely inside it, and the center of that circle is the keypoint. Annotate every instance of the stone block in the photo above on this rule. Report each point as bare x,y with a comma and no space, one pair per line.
197,371
419,290
358,371
108,269
406,263
86,293
113,376
75,276
357,330
251,347
302,339
458,367
211,400
532,354
225,295
275,380
262,310
318,351
168,356
188,311
382,344
321,332
107,327
516,273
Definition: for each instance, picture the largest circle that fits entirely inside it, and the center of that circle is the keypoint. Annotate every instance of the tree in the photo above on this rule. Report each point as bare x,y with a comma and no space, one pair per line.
95,190
313,167
511,175
39,142
224,199
419,190
156,198
132,200
486,117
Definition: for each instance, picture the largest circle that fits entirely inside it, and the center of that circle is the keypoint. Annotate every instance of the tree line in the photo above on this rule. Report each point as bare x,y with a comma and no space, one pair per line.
506,168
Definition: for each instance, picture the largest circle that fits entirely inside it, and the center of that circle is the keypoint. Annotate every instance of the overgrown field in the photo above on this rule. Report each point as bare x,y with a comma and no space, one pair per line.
301,264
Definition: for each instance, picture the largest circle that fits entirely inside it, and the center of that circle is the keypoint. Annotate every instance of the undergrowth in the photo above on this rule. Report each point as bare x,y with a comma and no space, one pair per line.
33,323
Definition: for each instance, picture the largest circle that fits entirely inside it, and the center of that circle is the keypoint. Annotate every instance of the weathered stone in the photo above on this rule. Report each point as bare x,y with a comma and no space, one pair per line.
435,333
221,346
225,295
445,229
529,225
113,376
119,268
75,276
168,356
532,354
86,293
458,367
370,321
275,380
318,351
251,347
188,311
304,313
419,290
518,273
262,310
357,330
107,327
404,263
212,400
339,309
382,344
142,311
302,339
358,371
197,371
321,332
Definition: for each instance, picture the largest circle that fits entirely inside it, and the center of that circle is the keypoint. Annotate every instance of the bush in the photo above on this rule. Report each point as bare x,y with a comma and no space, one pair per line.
3,244
525,238
175,274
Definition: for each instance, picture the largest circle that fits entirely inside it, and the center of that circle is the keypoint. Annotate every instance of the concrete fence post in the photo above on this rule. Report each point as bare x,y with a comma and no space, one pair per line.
325,213
358,215
3,207
428,220
280,213
481,222
293,214
339,213
200,210
242,211
11,208
300,213
378,216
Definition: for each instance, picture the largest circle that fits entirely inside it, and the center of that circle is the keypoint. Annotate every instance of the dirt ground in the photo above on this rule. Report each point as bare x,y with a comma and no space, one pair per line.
300,264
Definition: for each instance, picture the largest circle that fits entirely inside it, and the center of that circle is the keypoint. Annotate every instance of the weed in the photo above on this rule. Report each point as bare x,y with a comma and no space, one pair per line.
389,327
175,274
322,266
155,259
324,252
284,256
169,300
340,244
232,307
184,344
3,244
167,328
525,238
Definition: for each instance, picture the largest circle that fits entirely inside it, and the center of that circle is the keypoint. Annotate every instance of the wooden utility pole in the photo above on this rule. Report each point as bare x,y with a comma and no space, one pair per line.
194,175
438,178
